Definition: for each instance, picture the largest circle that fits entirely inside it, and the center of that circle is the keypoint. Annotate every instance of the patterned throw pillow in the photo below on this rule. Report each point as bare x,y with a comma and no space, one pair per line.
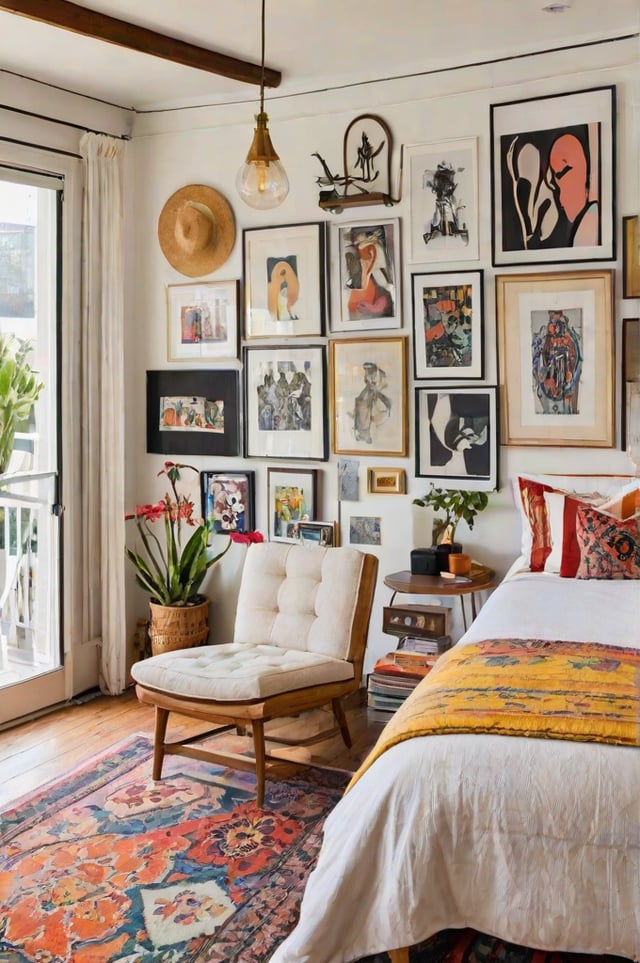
609,547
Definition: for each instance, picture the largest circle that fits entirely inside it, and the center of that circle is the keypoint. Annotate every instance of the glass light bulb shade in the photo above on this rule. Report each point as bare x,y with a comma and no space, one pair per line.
262,184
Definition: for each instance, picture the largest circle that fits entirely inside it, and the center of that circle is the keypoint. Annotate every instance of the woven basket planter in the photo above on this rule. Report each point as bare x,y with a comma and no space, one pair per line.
178,626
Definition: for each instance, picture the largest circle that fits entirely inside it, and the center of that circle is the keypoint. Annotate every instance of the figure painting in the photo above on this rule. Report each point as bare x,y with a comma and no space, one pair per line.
556,360
551,188
553,163
283,287
284,396
365,269
448,325
368,395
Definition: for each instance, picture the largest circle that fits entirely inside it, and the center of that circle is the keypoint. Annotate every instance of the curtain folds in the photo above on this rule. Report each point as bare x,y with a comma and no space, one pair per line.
102,405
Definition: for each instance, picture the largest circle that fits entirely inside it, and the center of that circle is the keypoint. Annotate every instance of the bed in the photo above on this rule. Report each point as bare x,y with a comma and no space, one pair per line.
533,840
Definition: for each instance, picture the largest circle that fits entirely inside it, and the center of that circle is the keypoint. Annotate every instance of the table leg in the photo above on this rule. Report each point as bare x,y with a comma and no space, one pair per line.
473,605
464,612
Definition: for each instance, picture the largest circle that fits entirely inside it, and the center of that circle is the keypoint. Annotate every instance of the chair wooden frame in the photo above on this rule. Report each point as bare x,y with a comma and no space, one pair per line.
228,715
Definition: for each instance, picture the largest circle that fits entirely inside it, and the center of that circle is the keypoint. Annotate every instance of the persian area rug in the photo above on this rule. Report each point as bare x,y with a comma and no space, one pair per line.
469,946
107,865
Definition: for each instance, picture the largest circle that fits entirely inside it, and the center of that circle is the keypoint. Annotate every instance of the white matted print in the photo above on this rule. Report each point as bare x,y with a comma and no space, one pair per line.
443,190
365,275
368,396
202,321
285,402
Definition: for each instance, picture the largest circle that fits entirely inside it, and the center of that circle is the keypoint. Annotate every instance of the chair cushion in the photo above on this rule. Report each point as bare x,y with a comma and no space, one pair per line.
237,672
297,597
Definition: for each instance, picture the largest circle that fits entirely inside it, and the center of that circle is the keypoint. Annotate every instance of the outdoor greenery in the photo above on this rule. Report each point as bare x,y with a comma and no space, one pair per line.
19,391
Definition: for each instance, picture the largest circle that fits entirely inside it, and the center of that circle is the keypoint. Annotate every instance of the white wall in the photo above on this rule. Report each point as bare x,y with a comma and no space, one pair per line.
208,145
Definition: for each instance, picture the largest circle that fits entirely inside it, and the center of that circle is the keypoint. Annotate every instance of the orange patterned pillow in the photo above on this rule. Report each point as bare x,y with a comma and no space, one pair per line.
609,547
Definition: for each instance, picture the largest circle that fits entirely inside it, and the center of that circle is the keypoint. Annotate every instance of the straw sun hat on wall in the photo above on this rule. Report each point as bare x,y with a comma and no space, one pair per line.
196,230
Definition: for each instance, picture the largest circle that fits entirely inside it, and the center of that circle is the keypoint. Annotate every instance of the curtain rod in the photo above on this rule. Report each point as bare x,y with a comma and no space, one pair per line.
62,123
51,150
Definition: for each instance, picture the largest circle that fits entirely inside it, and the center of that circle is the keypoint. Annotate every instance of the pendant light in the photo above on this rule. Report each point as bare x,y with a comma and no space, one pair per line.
262,181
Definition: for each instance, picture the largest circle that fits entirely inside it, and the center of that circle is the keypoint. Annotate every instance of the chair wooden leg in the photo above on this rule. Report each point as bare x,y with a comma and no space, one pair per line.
162,718
259,752
399,956
341,719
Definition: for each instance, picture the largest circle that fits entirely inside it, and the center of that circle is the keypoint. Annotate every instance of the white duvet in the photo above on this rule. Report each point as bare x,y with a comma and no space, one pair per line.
535,841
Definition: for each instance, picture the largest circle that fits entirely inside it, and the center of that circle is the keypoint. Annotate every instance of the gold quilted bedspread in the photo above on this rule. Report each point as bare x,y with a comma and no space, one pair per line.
583,691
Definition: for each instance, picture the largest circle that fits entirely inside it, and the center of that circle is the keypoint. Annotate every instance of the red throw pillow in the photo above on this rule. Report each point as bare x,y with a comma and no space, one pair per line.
609,547
535,509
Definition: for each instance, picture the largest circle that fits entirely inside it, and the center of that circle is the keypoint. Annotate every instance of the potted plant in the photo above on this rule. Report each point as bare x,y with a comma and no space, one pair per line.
19,391
172,568
457,504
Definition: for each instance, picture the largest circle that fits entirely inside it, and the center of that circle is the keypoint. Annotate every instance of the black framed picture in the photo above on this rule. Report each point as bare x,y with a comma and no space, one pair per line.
193,412
457,436
228,500
285,402
552,178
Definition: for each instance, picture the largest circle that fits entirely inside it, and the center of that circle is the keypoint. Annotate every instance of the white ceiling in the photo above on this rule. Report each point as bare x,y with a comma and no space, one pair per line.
315,43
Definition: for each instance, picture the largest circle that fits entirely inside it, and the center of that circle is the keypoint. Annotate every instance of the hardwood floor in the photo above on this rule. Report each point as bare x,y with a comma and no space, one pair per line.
42,749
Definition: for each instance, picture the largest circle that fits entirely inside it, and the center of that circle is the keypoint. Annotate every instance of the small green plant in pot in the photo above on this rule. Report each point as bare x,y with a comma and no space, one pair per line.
19,391
458,505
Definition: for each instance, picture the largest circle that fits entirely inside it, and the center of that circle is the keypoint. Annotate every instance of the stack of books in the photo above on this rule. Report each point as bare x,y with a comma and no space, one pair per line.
395,676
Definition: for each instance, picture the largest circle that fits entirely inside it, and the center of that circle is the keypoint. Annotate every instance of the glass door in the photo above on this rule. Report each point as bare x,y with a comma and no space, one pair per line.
31,660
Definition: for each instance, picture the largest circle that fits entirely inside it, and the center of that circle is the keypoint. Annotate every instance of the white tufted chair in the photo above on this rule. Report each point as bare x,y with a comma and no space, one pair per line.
299,640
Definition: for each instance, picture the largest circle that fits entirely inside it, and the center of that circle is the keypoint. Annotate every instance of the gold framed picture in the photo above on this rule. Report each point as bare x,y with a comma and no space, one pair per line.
630,257
556,358
387,481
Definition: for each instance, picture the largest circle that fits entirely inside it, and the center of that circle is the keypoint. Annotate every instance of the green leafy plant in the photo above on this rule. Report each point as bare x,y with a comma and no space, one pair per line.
172,569
457,504
19,391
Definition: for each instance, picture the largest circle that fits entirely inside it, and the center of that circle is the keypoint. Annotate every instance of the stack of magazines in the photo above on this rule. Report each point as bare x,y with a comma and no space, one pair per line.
395,676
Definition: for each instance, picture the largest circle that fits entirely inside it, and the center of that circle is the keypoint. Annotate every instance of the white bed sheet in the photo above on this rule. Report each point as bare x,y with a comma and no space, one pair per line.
535,841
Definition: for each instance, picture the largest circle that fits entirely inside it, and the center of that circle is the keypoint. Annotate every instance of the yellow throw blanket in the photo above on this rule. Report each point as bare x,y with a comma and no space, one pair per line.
584,691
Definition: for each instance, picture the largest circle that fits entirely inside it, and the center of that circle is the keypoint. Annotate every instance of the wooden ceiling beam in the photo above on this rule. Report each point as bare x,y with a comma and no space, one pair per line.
99,26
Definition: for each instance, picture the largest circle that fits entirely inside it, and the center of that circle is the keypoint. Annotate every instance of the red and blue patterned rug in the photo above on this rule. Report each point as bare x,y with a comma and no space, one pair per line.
107,865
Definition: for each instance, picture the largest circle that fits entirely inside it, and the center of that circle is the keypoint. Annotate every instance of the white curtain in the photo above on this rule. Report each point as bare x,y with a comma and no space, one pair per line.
102,406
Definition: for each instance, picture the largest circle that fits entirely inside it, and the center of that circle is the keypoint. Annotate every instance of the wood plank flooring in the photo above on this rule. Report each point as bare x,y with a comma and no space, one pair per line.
34,752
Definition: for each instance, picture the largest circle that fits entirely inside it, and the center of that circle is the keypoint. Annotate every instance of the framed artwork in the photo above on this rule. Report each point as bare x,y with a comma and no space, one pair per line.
448,325
630,257
365,530
202,321
285,404
368,396
193,412
348,479
228,500
284,289
556,358
631,388
292,497
323,534
365,275
552,178
443,190
457,437
387,481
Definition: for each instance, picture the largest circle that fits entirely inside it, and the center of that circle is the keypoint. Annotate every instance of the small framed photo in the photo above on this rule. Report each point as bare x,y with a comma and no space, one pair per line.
365,530
285,402
457,436
539,214
193,412
284,281
427,621
322,534
556,358
228,500
443,187
448,325
202,321
365,275
630,257
292,496
368,395
387,481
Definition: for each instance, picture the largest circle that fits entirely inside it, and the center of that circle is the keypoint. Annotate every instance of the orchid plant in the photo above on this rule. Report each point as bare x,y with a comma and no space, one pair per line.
172,570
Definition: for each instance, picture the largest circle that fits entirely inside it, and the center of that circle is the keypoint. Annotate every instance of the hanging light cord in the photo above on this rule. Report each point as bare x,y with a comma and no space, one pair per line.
262,61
